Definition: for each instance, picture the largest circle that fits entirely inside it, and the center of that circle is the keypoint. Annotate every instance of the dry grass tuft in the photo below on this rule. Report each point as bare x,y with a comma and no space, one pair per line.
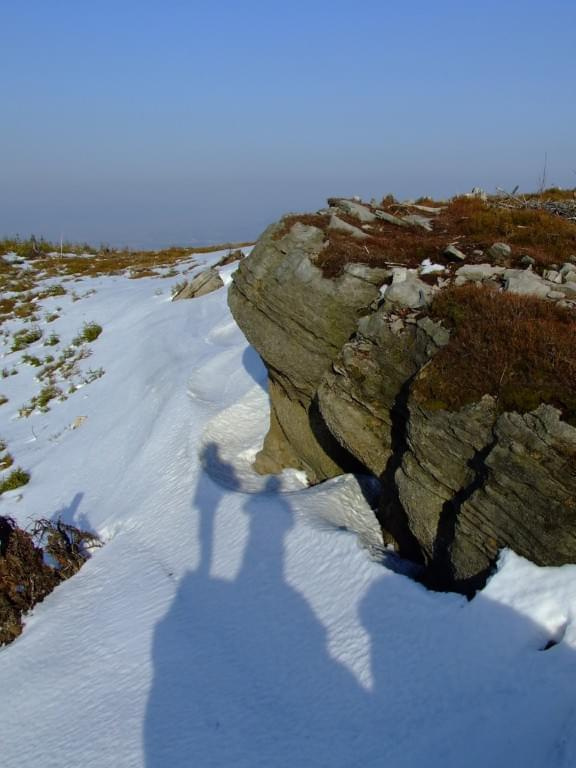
25,577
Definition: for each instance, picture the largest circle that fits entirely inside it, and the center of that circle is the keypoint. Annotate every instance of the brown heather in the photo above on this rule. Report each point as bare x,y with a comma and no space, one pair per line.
519,349
25,577
470,223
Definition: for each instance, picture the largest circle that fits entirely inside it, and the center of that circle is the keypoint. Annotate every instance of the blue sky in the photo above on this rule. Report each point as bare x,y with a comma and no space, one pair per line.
149,123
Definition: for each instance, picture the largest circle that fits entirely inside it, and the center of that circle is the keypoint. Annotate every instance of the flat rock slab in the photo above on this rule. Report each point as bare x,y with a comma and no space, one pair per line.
414,220
352,208
391,219
453,253
478,272
342,226
525,283
206,282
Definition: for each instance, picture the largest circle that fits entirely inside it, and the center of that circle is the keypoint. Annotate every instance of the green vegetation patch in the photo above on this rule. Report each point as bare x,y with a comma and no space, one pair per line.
52,340
15,479
42,400
90,332
24,338
519,349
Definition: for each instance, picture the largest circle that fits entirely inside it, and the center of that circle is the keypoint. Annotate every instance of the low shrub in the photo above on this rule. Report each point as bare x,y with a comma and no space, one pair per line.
16,479
25,576
25,337
31,360
52,340
54,290
516,348
90,332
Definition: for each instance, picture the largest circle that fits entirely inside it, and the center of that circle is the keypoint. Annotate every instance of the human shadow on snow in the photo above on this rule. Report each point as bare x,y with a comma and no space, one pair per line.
243,676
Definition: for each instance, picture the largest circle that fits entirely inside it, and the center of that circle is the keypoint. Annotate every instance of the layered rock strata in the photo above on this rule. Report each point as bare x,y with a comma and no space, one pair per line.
343,355
298,321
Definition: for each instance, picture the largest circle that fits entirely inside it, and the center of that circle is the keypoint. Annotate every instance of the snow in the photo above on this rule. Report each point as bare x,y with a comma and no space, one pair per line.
233,619
427,267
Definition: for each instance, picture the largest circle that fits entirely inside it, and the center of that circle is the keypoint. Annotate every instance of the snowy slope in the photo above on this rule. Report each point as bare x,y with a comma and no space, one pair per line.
230,620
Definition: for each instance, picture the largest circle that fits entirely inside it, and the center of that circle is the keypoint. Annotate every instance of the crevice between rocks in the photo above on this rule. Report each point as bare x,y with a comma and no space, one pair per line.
331,447
440,575
392,515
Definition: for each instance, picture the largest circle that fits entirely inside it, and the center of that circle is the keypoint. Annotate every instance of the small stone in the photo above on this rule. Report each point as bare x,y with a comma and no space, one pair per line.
478,272
424,208
439,335
353,208
411,294
477,252
452,253
385,216
555,295
374,275
397,326
204,283
526,283
552,276
428,268
568,272
418,221
527,261
499,251
569,288
399,274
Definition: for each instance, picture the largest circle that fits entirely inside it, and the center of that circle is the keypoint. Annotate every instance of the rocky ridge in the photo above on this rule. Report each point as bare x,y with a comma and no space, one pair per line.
347,349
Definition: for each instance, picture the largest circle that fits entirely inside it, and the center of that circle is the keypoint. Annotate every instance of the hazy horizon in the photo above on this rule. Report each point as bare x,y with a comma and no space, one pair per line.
148,124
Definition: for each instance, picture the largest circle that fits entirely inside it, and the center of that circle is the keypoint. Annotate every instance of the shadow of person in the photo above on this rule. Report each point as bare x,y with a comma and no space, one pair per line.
70,515
242,675
463,683
216,478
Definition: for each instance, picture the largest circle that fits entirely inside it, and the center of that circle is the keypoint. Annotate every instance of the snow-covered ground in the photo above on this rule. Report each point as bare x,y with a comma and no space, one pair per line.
230,619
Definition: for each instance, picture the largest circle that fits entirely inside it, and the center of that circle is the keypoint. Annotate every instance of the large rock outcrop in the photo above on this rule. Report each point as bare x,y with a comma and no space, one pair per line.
344,362
298,321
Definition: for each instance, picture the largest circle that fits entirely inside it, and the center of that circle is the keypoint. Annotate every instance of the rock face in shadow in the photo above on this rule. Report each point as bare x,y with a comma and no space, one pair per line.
457,486
526,500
